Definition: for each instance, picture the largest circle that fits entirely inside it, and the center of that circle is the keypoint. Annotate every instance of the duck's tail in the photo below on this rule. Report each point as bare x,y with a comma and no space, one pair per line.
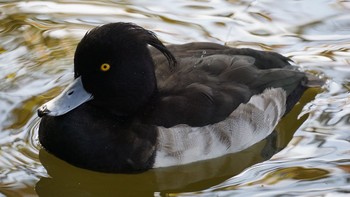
313,81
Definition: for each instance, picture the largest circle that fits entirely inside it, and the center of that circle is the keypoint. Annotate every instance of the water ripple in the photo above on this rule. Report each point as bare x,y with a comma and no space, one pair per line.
38,39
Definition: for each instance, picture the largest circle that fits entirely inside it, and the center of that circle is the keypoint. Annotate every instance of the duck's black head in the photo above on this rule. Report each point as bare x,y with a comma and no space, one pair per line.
115,65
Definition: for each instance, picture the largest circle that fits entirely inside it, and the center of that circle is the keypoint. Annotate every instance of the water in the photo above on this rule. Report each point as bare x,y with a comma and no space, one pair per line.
37,43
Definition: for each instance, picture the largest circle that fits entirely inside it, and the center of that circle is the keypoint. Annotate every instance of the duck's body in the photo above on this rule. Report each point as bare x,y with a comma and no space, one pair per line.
146,114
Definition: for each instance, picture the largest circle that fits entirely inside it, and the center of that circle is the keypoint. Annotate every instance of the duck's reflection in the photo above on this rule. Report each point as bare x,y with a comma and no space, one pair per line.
67,180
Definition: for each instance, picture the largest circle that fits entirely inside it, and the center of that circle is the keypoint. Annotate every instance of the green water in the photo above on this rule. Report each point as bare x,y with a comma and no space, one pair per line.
37,44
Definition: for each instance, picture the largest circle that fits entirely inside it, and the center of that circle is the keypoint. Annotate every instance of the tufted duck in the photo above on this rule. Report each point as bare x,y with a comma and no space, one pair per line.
136,104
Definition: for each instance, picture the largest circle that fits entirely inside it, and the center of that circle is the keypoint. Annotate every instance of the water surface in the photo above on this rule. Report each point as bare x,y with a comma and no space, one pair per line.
37,43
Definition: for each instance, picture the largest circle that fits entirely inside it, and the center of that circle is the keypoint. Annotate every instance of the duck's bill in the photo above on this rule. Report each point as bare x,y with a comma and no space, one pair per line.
71,97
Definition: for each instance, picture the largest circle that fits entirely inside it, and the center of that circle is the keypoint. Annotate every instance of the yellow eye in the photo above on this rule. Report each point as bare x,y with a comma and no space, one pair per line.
105,67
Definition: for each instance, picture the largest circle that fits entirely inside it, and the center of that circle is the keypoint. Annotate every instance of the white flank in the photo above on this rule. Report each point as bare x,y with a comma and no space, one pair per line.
247,125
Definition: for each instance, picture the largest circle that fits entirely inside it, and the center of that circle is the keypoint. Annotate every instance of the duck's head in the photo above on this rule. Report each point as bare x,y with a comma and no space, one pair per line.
113,70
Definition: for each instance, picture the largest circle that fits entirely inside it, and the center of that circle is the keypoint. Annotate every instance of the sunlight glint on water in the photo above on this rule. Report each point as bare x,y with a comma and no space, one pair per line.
37,43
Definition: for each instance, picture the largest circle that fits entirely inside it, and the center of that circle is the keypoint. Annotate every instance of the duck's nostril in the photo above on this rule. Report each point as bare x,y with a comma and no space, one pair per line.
70,93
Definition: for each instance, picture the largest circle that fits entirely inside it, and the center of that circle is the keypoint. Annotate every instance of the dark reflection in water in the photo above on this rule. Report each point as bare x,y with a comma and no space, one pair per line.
67,180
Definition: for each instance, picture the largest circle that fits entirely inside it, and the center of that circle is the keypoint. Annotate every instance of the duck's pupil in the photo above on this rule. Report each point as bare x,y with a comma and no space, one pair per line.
105,67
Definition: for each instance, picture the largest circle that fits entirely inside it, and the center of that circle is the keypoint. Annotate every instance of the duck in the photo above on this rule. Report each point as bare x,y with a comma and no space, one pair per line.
136,104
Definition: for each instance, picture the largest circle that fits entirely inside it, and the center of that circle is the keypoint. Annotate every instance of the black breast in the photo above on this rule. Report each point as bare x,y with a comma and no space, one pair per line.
90,138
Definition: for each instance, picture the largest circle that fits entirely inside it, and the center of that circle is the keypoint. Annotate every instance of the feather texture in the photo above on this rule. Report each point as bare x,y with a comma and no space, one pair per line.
247,125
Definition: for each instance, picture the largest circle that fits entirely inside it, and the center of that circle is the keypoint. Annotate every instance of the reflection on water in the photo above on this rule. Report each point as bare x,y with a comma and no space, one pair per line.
197,176
37,43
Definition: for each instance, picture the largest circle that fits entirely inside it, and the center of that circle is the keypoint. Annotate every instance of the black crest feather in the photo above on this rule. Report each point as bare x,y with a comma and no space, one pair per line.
150,38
